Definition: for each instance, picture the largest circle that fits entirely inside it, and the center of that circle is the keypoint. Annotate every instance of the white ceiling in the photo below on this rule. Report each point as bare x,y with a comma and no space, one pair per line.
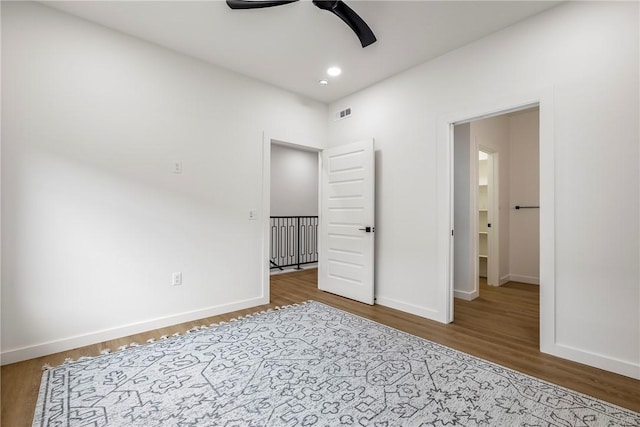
291,46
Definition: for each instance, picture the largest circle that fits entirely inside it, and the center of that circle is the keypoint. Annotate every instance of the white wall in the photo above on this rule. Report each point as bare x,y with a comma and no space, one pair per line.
93,221
524,179
294,182
464,284
586,55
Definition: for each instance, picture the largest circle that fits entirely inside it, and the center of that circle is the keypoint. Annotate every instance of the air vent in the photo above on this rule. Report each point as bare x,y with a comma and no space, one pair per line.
343,114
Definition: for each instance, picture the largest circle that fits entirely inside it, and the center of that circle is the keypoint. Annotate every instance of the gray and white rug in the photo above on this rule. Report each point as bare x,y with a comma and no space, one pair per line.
306,365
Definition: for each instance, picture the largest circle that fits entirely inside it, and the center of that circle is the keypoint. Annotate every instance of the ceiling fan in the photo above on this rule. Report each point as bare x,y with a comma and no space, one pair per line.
337,7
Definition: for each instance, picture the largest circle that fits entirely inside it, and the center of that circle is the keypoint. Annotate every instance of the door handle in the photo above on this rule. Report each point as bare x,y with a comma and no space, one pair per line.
367,229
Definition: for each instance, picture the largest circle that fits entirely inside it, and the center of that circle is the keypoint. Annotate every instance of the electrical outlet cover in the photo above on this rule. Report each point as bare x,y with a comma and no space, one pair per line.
177,279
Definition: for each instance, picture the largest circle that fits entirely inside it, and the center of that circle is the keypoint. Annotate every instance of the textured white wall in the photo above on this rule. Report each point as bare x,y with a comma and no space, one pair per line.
524,178
93,221
586,53
294,181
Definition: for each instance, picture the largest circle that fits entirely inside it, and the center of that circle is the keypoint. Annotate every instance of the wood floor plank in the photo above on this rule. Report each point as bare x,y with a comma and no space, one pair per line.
501,326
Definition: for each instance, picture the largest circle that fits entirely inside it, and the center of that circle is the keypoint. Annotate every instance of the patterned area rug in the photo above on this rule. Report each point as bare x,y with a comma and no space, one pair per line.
306,365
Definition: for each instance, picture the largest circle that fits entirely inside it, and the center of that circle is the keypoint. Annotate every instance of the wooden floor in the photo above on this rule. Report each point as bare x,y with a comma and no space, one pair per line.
501,326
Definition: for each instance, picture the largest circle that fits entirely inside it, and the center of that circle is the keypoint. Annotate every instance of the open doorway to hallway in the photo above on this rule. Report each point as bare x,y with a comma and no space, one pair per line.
293,209
496,209
340,237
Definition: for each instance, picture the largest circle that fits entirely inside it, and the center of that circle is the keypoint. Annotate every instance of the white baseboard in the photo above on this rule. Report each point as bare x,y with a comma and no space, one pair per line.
292,269
466,295
51,347
519,278
622,367
409,308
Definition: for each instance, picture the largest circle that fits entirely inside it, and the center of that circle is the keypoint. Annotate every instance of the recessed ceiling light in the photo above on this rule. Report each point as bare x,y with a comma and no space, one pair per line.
334,71
323,82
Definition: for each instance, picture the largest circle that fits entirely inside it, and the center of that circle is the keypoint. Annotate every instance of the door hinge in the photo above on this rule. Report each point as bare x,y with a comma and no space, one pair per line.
452,232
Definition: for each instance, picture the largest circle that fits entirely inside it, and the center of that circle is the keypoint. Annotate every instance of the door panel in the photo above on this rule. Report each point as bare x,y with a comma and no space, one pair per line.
347,207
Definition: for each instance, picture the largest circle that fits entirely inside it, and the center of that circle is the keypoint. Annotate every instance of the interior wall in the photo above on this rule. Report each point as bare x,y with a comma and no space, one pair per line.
294,182
586,55
524,179
464,285
94,222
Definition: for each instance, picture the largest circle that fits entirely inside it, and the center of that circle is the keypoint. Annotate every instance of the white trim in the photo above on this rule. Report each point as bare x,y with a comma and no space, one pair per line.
266,216
505,279
51,347
474,226
444,240
522,279
466,295
547,224
601,361
406,307
320,206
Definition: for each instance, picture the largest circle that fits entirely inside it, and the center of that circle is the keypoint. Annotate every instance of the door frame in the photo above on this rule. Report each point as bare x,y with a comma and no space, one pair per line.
544,99
265,208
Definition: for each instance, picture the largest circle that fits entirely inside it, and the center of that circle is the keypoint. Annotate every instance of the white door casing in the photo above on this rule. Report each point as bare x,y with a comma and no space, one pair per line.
346,250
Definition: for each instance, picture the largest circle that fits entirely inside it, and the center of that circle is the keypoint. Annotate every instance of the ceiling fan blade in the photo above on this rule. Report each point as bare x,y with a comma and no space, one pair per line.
351,18
257,4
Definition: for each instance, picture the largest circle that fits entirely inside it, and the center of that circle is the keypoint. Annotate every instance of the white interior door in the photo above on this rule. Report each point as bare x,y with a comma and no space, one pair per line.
347,221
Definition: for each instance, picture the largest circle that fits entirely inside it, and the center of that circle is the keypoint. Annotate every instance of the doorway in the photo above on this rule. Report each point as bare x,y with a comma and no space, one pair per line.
268,142
344,234
496,203
293,210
